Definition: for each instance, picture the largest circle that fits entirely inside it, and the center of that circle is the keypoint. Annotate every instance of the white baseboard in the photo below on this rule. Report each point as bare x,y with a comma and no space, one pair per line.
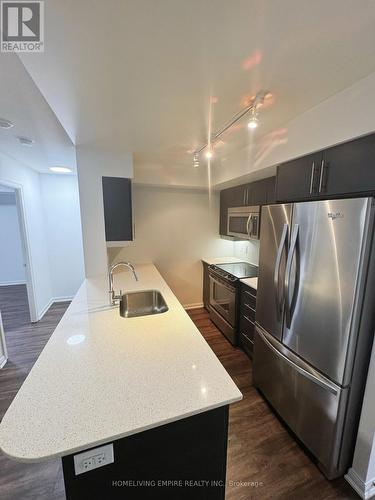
44,310
3,360
63,299
11,283
365,490
49,304
198,305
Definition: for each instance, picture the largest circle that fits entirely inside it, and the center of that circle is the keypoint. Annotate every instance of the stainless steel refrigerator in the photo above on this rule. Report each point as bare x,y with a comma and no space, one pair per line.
315,319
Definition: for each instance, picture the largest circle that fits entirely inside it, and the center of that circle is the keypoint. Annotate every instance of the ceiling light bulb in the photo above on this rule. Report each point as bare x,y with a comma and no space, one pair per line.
25,141
61,170
209,154
253,123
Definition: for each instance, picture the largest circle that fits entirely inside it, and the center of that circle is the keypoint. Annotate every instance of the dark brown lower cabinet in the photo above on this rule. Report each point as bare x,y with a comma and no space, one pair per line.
184,459
206,286
247,318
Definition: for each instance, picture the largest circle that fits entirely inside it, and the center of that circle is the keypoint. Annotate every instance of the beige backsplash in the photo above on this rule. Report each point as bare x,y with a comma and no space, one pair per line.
247,250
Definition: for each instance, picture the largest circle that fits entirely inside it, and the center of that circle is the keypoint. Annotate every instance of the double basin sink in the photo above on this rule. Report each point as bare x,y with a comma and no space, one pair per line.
143,303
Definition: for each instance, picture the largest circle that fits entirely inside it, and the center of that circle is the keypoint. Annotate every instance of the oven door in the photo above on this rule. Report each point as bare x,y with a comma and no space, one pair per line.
223,299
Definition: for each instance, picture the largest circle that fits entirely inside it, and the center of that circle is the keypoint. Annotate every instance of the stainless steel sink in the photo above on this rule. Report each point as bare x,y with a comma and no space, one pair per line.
142,304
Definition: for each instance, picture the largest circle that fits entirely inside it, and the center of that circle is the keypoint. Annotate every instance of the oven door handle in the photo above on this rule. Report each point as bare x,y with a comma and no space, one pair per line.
228,287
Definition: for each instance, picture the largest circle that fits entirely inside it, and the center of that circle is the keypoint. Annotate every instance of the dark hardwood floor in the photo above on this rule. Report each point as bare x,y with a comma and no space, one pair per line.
264,461
25,341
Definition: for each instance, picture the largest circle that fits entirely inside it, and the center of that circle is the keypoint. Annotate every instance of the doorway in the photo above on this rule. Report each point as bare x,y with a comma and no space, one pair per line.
17,305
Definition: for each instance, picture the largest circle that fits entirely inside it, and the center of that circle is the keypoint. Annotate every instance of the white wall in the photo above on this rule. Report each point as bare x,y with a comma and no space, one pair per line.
12,269
62,216
28,180
174,229
92,165
52,219
171,175
362,473
348,114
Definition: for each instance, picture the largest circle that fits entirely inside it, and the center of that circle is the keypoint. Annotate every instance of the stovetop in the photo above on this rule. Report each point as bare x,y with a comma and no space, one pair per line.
236,270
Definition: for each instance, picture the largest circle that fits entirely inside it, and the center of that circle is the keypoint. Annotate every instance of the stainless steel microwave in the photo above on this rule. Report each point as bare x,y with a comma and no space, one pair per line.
244,222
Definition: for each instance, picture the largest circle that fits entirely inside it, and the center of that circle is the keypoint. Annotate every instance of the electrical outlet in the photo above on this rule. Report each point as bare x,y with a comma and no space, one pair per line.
92,459
100,459
87,463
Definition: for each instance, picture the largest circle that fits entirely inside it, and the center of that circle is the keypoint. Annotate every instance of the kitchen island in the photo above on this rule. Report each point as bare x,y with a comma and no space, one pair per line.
149,385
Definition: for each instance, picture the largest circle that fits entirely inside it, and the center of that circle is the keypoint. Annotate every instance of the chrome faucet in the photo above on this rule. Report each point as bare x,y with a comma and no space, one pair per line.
112,296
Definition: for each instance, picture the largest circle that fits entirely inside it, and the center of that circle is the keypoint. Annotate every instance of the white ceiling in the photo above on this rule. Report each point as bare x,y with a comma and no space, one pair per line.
137,75
23,104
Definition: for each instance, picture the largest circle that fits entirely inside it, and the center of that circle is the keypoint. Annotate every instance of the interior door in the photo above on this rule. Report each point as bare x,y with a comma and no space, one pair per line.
274,237
321,281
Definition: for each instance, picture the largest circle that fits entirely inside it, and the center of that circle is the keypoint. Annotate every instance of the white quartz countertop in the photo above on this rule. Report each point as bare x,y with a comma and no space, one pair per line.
102,377
253,282
222,260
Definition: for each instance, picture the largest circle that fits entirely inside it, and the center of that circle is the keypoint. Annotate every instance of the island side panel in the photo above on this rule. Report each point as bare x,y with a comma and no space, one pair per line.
192,453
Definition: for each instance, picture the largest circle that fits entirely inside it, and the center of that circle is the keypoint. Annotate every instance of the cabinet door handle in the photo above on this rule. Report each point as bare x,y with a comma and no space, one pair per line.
244,197
321,176
312,176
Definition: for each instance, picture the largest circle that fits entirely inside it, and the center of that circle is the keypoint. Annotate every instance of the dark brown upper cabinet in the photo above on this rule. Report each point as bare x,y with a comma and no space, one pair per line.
349,168
239,196
341,171
299,179
117,201
270,186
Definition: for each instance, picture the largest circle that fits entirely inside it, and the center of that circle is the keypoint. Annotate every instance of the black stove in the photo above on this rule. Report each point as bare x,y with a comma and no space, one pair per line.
225,295
235,271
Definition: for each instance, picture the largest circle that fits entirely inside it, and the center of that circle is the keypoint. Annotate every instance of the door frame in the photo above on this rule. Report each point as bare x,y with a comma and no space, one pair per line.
25,241
3,345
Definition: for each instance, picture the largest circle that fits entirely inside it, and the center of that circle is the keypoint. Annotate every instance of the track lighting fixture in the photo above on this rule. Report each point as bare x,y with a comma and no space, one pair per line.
252,108
196,160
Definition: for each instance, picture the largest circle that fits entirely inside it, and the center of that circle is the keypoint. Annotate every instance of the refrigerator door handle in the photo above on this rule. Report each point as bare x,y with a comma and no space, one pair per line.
309,373
276,276
289,304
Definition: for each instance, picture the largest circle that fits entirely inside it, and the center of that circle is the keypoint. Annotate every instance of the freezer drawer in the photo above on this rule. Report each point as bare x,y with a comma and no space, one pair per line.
312,406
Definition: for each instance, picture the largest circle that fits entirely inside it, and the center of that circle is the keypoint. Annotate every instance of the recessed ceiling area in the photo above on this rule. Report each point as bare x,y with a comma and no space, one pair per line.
36,139
138,76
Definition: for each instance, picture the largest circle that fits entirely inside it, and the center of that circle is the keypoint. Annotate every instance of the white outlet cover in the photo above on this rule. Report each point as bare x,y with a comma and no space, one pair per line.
81,458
